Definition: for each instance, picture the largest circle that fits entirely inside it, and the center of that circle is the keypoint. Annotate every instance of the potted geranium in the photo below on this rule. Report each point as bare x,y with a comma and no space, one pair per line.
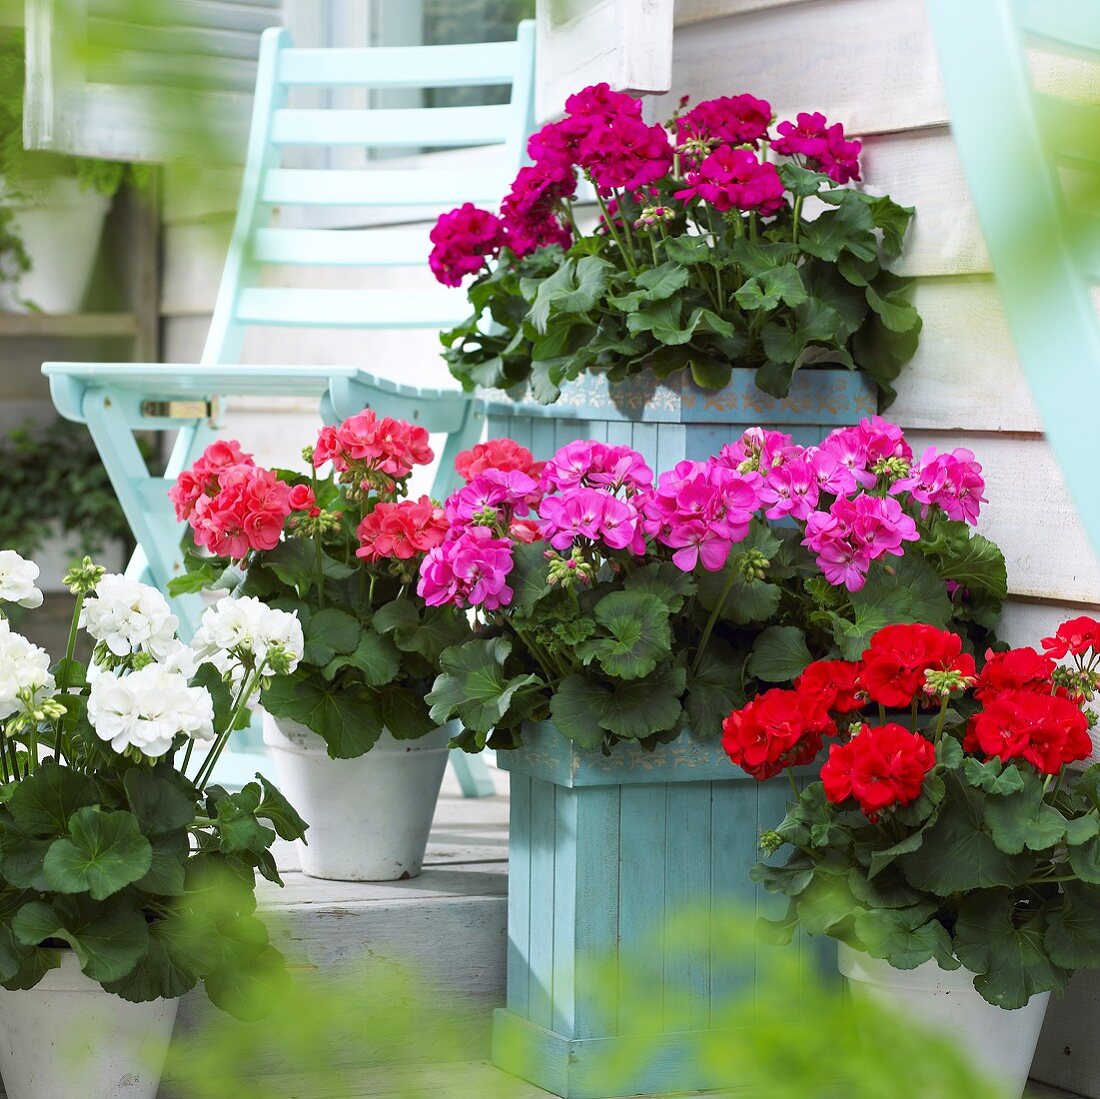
732,264
618,619
952,843
126,876
342,552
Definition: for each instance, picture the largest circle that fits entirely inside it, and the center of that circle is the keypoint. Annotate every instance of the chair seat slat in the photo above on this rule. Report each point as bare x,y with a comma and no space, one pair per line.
343,247
383,187
352,308
401,66
393,127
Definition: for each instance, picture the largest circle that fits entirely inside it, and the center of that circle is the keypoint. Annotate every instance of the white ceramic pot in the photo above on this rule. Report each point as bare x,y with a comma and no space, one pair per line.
61,226
369,818
68,1039
1002,1043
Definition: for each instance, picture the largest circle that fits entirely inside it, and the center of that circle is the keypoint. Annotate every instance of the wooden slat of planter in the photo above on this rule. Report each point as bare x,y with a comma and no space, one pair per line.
541,948
519,896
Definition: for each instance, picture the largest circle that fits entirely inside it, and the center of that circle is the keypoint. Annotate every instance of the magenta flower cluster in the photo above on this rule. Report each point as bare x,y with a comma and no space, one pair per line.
716,154
851,497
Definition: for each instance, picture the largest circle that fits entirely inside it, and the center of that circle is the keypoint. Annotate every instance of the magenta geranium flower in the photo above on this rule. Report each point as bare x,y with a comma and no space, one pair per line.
735,179
822,147
463,239
468,571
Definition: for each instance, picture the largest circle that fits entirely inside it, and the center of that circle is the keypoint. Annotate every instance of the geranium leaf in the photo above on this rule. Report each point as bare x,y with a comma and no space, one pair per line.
976,862
990,777
790,879
159,798
528,576
376,656
347,718
714,688
581,707
405,714
779,654
103,853
893,310
473,686
639,635
167,969
108,939
663,580
1008,952
283,816
328,632
1081,830
1072,935
1084,860
239,832
42,803
165,876
905,937
1022,820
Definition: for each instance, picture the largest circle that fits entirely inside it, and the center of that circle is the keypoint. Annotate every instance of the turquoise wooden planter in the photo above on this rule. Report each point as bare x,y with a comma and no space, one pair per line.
604,849
674,420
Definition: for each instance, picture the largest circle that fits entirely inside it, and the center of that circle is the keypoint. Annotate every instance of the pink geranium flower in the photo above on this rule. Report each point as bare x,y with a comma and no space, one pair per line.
463,239
468,571
735,179
823,147
952,482
591,463
791,489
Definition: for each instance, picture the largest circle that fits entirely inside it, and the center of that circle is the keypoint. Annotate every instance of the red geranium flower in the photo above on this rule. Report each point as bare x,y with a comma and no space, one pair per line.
505,454
777,729
835,683
1016,670
892,669
880,767
1074,638
401,530
1046,730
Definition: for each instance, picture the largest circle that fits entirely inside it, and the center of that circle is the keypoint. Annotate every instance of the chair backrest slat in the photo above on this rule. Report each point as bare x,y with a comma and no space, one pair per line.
481,64
382,187
403,127
1066,23
307,308
343,247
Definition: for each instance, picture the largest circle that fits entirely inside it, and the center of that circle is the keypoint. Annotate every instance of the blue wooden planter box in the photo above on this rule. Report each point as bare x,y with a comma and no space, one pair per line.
603,850
674,420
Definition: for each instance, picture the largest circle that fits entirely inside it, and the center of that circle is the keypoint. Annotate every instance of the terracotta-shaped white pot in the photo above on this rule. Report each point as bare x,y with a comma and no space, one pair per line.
60,226
369,817
1002,1043
68,1039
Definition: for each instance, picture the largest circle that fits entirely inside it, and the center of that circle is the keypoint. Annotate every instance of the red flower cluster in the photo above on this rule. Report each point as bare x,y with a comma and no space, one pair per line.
401,530
823,147
894,666
834,684
369,444
463,239
1077,637
735,179
880,768
232,504
1047,730
729,120
1015,670
776,730
502,454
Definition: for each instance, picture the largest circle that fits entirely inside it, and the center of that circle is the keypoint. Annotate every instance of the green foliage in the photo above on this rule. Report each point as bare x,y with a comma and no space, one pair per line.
700,296
53,479
990,869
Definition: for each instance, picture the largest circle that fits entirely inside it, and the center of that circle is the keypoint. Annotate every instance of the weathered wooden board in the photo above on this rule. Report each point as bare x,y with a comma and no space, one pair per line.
699,11
1068,1055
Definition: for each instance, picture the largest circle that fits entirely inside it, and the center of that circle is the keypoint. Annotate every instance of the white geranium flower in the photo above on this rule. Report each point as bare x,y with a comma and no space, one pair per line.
180,658
234,628
24,671
147,708
129,617
17,577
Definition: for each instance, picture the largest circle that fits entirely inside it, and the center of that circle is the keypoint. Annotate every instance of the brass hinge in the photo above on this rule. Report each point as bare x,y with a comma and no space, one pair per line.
182,410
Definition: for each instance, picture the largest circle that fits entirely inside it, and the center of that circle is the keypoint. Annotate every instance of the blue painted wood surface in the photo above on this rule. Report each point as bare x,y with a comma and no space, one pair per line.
604,852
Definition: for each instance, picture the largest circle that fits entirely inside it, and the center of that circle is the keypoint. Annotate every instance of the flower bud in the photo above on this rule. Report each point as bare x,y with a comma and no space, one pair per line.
945,682
751,565
770,842
83,576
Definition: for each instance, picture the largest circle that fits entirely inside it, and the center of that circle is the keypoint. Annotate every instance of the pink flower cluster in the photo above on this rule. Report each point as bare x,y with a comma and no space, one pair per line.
364,444
463,240
234,506
822,147
729,120
952,482
735,179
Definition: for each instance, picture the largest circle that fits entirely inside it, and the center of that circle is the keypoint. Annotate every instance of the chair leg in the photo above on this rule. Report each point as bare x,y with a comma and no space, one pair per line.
473,775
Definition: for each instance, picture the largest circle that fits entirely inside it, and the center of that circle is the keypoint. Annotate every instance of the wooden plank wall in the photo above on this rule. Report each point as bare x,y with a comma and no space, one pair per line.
872,65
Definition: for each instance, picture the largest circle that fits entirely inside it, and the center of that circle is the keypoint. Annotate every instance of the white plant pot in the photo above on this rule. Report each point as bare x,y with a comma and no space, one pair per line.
68,1039
368,818
61,227
1001,1043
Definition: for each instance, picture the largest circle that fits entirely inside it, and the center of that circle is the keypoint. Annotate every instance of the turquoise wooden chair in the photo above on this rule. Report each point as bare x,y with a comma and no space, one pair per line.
1015,144
117,399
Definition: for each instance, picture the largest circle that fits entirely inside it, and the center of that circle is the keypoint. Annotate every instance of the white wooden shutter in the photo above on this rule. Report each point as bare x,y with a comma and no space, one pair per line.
627,43
143,80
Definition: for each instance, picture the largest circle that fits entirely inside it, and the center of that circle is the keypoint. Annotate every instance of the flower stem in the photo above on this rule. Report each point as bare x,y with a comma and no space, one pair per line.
207,769
794,784
797,218
627,258
63,686
711,622
4,755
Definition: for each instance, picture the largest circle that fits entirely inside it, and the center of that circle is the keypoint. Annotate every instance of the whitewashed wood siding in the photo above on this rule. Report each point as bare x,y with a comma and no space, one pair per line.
870,64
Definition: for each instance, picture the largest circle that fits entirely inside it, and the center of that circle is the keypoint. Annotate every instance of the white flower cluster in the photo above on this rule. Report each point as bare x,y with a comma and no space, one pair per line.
17,577
24,672
147,708
129,617
237,629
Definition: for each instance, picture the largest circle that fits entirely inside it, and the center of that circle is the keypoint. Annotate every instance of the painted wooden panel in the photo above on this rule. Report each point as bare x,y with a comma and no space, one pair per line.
699,11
